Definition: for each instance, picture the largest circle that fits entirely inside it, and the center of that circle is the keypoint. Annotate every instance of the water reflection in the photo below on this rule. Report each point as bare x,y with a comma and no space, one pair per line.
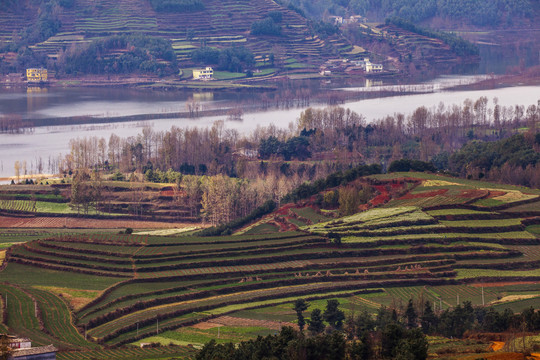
48,142
36,98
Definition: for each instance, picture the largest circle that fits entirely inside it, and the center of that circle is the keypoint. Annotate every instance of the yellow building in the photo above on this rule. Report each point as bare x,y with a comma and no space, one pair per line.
36,75
203,74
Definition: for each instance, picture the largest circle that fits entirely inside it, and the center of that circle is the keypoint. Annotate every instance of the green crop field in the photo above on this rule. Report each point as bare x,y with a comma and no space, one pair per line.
482,223
131,353
126,289
309,214
534,229
481,273
444,212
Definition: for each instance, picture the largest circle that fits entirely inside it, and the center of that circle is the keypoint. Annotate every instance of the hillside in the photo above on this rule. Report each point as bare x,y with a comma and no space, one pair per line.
122,201
412,236
79,37
483,13
219,24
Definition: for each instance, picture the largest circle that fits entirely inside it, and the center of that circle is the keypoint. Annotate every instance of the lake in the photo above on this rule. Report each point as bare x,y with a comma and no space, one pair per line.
49,141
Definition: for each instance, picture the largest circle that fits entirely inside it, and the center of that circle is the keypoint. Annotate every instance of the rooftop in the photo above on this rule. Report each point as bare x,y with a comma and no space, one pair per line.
33,351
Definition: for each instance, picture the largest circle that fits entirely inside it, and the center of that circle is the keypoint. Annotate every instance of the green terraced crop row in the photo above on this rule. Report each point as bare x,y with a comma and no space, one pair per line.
444,236
457,211
477,273
22,318
131,353
57,319
26,275
482,223
212,272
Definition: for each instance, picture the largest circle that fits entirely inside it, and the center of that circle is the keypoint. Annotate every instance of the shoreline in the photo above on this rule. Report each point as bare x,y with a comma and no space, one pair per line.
255,83
346,97
36,177
146,83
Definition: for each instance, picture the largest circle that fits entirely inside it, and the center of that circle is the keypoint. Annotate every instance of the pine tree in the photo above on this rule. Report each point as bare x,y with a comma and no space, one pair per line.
411,315
429,319
300,306
316,325
332,315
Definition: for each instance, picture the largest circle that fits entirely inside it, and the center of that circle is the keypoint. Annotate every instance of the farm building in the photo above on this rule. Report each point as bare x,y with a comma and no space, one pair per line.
370,67
36,75
339,20
203,74
19,343
36,353
336,20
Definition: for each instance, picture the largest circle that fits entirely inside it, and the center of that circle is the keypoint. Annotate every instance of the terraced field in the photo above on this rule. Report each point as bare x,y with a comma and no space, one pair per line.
223,23
127,288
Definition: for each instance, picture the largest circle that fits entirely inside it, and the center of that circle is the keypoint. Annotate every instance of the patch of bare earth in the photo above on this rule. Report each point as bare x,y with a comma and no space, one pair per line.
81,223
240,322
76,298
206,325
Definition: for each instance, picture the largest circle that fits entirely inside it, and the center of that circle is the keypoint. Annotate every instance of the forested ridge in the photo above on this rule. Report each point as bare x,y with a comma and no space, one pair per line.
141,53
36,22
460,46
481,12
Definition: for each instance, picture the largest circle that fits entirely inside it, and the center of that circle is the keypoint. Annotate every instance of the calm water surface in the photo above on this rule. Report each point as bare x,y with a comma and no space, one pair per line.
49,142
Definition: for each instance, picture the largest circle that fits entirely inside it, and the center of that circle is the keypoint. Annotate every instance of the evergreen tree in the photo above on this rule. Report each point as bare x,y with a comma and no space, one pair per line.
300,306
332,315
390,338
429,319
316,325
360,349
413,346
411,315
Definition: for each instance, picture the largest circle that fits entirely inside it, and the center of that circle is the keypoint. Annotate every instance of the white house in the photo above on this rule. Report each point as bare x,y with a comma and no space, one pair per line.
203,74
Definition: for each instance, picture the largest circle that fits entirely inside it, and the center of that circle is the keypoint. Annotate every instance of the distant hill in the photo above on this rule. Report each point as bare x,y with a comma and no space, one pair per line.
76,37
492,13
56,26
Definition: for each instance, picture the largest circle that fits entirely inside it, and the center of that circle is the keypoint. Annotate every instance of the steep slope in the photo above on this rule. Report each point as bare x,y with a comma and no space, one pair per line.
221,24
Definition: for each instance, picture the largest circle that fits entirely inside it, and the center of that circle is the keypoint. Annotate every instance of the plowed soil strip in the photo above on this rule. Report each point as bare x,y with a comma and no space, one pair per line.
80,223
239,322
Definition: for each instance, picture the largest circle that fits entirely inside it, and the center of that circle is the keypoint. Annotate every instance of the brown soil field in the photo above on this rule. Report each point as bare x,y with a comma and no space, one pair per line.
499,356
234,321
81,223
